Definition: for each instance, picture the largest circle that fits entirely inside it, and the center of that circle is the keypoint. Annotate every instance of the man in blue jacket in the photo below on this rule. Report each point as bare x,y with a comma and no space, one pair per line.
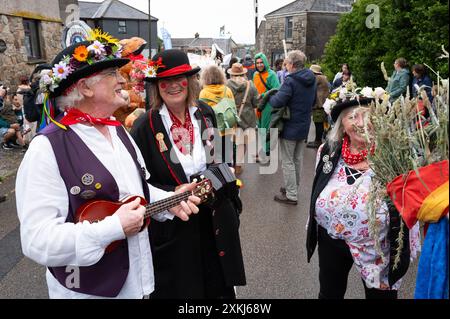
298,93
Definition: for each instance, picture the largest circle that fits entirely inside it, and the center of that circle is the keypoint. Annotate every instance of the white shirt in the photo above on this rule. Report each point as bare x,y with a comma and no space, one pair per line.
196,162
42,206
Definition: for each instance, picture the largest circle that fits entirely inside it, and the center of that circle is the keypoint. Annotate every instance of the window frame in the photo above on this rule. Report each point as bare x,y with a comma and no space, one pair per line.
32,32
122,26
289,30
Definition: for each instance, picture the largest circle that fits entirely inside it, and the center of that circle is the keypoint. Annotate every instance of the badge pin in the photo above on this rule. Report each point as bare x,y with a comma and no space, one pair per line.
98,186
327,167
162,145
75,190
87,179
326,158
88,194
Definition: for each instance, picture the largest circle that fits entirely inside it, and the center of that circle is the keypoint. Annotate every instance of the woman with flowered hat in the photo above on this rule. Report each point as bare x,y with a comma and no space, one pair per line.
201,258
339,223
87,155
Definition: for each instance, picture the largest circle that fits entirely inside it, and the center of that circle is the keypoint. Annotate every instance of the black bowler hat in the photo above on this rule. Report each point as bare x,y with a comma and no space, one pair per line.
167,64
81,60
339,107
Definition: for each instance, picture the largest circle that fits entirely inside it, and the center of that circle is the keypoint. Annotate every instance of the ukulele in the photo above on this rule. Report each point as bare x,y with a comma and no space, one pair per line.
97,210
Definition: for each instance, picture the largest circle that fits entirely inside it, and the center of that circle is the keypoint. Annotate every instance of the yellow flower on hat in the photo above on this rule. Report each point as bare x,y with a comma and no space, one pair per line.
101,36
81,53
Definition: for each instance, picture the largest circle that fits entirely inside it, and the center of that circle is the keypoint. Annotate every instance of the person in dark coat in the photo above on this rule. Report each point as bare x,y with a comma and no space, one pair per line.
202,258
420,79
298,93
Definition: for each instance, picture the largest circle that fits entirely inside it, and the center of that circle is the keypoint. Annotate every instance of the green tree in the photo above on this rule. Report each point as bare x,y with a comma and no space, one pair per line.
413,29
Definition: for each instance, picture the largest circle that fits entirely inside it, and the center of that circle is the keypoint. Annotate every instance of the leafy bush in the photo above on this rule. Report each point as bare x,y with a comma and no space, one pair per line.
414,29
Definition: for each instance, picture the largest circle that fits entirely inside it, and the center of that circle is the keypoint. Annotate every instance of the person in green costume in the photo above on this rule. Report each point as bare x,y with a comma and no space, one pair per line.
265,80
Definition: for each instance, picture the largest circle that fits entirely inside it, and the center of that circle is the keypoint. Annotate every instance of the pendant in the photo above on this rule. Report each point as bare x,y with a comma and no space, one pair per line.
162,145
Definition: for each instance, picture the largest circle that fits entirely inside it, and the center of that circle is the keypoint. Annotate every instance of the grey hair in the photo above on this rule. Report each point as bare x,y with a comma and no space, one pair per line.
336,134
297,58
74,97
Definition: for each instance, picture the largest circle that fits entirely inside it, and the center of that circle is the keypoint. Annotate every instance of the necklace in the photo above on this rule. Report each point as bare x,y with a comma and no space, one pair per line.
351,158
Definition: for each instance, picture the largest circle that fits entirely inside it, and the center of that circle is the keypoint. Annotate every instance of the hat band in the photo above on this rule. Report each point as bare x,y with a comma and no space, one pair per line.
175,71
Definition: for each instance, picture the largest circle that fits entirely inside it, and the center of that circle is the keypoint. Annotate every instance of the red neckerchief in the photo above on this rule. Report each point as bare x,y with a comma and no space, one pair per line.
74,116
350,158
182,134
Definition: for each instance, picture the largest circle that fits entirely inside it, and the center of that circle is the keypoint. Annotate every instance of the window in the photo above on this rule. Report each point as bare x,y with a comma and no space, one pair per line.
31,29
122,26
289,26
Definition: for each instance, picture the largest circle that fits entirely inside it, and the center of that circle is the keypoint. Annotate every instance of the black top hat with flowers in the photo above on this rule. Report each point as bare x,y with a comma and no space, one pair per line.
80,60
345,104
167,64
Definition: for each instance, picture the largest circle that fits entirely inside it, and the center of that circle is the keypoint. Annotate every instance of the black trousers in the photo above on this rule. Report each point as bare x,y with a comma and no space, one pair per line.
319,131
335,262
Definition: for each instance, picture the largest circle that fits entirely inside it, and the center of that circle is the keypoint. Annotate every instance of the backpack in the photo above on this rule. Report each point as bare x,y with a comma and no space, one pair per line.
225,111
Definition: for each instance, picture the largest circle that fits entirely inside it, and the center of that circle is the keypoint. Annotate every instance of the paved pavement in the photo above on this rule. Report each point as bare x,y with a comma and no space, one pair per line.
272,237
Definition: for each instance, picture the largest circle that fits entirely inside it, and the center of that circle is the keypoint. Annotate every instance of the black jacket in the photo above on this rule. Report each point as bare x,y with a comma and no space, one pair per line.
320,181
185,252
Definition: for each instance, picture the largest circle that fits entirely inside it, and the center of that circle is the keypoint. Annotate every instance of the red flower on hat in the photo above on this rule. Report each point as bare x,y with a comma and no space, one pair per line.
152,67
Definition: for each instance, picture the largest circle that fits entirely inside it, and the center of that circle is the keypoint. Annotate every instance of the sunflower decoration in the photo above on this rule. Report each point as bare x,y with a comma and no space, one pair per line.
102,47
101,36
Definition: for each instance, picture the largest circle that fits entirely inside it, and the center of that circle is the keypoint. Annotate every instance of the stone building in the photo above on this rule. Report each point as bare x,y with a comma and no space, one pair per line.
304,24
30,33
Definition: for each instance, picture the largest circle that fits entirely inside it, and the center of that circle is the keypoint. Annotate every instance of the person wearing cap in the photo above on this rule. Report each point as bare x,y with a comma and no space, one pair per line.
246,98
201,258
338,221
82,156
318,114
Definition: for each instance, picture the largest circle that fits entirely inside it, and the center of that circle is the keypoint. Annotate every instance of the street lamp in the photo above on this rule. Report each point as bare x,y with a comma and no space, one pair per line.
256,17
149,31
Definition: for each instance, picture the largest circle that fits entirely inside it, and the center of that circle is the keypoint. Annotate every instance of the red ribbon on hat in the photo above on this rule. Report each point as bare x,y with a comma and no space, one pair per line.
74,116
175,71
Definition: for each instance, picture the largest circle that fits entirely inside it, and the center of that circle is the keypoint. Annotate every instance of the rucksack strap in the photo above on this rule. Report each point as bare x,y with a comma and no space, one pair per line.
244,99
262,80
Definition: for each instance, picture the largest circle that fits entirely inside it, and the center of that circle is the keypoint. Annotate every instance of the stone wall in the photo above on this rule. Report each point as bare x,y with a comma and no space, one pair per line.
310,33
321,26
260,37
275,33
14,61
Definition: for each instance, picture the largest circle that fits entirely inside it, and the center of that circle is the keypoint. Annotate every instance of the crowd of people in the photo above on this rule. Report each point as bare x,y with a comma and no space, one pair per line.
192,250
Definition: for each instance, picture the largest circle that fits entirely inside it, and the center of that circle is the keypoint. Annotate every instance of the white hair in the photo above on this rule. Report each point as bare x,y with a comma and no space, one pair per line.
74,97
336,134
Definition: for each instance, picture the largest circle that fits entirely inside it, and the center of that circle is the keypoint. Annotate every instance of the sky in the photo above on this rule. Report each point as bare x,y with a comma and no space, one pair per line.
183,18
